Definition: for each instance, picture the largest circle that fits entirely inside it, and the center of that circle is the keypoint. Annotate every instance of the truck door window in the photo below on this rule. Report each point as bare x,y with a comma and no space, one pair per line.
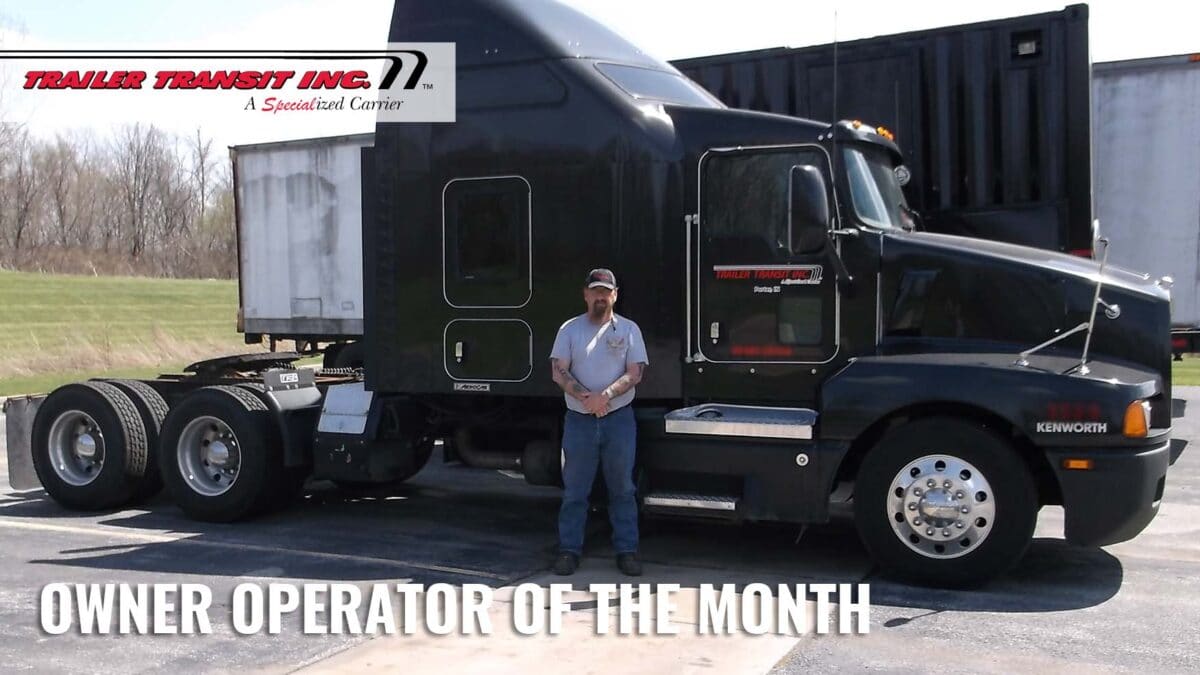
800,321
747,205
486,234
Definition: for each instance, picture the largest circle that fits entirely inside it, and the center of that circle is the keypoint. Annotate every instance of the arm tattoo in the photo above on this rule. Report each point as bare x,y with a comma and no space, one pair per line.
567,381
626,381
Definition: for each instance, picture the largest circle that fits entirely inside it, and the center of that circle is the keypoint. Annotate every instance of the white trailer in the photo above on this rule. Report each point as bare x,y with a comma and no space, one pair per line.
1147,173
299,231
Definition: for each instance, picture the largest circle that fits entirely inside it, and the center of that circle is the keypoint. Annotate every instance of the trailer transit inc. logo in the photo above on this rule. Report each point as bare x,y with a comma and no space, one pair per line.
407,82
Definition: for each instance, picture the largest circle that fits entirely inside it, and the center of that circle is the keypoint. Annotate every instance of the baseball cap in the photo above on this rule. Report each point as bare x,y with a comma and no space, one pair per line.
602,278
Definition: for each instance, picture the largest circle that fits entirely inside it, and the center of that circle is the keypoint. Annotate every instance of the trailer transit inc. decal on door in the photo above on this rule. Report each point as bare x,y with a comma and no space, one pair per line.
783,274
770,278
406,82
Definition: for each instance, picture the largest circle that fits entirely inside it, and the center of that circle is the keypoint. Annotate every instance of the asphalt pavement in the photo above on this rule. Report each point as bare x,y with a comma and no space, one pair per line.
1129,607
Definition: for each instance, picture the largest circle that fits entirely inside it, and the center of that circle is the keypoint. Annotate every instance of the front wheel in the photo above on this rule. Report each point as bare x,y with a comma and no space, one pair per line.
945,502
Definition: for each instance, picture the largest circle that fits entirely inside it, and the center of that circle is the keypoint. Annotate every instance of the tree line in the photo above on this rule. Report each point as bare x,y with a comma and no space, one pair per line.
139,200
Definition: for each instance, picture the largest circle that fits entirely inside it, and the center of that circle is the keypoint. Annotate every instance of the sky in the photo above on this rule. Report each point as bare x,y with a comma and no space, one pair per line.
1119,29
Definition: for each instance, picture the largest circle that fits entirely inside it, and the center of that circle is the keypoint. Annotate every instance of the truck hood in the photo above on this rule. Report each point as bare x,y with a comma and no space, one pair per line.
1052,261
941,293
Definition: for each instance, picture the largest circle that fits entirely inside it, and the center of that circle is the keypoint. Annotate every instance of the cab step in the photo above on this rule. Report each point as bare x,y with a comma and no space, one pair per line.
697,504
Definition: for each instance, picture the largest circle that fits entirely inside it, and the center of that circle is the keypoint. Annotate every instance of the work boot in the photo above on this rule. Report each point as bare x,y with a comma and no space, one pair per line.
629,564
566,564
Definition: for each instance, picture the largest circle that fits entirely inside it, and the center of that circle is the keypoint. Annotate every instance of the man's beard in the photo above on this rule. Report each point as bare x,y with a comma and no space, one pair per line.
598,309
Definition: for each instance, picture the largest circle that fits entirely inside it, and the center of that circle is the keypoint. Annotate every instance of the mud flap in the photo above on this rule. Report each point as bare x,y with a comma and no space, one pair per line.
19,413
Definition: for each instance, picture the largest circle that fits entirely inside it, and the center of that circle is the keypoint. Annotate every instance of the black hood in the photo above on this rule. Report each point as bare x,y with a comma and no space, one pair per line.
943,293
1053,261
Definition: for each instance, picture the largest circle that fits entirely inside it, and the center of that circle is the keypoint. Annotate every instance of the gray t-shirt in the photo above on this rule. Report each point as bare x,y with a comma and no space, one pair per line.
599,354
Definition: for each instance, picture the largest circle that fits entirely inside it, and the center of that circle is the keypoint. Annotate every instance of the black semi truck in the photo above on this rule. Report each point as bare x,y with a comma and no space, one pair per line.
808,347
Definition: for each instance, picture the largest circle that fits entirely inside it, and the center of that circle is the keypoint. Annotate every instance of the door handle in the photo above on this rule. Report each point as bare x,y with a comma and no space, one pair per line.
459,350
714,331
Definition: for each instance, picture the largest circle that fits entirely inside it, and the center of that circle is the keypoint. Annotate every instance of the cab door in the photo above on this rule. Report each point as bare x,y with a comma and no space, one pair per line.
765,293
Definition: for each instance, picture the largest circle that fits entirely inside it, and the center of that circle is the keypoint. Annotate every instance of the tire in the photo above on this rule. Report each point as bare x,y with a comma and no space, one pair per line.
349,355
420,459
89,446
241,471
153,410
543,462
986,476
329,357
289,484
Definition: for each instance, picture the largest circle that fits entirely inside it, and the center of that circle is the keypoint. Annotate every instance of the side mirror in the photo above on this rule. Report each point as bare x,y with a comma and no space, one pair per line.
808,209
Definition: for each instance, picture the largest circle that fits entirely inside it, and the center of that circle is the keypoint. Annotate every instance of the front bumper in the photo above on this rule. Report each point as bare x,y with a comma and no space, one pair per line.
1114,500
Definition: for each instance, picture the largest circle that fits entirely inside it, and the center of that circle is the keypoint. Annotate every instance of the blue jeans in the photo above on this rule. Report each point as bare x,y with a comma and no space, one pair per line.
610,443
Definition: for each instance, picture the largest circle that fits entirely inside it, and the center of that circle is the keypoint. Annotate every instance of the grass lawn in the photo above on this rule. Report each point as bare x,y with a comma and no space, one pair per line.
41,384
1186,372
59,328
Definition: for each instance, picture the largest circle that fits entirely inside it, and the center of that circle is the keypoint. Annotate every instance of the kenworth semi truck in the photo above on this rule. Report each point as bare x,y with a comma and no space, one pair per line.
807,344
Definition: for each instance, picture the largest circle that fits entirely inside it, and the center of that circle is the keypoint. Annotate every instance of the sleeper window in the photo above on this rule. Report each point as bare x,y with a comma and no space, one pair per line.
486,235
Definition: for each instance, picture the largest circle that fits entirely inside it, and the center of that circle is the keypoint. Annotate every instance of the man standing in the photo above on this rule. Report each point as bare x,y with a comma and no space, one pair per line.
598,358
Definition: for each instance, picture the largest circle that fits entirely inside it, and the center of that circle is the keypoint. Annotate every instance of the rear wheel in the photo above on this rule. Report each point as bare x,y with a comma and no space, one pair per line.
945,502
221,458
289,484
153,410
89,446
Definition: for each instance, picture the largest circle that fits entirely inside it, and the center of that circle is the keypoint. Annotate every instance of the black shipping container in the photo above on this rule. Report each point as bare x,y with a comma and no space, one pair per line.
994,118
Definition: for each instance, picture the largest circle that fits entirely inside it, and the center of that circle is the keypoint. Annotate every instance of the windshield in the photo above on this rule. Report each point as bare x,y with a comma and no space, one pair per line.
657,85
874,188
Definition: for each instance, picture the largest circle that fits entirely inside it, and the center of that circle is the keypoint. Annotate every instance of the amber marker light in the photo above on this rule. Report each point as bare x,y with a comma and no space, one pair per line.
1077,464
1137,419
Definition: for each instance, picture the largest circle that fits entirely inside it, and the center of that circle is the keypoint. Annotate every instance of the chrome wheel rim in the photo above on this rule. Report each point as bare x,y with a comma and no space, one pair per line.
209,456
76,448
941,506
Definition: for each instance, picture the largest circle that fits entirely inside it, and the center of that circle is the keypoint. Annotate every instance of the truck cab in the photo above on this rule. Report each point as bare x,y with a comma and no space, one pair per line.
808,343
